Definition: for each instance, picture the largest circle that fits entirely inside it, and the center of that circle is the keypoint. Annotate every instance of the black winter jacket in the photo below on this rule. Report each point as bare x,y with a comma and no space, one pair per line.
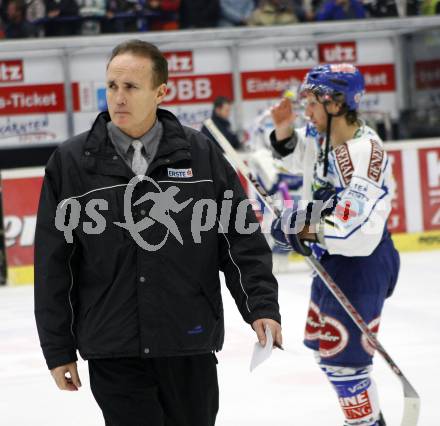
105,295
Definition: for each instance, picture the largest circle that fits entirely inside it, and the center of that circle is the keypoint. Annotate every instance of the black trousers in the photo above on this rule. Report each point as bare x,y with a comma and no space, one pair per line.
172,391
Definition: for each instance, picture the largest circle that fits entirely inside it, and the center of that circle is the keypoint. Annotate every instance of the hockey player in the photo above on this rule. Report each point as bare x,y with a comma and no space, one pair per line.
347,195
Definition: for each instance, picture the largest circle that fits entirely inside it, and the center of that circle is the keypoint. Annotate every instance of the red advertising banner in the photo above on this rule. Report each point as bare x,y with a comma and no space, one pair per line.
427,74
397,219
429,163
379,78
337,52
193,89
20,203
11,71
37,98
271,84
180,62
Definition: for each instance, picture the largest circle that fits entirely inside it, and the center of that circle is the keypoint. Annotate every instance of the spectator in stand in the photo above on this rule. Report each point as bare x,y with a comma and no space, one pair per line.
335,10
234,13
199,13
170,9
303,10
381,8
413,7
56,9
3,7
16,25
273,12
35,10
91,8
115,24
221,114
431,7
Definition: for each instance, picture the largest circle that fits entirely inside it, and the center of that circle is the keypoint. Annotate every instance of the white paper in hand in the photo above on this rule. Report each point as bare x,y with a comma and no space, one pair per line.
261,353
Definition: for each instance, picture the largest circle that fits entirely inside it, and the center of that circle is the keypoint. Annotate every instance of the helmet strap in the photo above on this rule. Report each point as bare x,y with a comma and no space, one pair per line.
327,142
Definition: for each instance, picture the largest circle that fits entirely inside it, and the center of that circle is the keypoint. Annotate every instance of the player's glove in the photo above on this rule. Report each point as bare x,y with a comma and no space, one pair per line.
286,229
326,194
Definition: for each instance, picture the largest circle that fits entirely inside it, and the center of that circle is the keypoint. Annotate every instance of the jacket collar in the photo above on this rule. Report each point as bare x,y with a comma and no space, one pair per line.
100,154
173,135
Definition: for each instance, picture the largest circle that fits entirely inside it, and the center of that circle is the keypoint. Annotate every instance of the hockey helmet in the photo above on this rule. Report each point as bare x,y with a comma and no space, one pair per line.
337,82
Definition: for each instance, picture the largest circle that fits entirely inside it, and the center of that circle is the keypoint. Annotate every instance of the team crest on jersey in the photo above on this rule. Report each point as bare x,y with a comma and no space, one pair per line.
333,337
376,159
344,162
374,328
347,209
180,173
313,323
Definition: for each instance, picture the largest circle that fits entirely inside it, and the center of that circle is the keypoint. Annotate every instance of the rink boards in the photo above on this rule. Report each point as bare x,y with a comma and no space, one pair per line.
414,220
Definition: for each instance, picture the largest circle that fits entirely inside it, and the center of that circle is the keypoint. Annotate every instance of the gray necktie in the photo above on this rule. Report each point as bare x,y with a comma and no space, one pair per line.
139,164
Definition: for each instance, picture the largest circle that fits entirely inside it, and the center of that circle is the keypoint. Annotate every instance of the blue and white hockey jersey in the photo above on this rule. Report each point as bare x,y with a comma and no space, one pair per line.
361,173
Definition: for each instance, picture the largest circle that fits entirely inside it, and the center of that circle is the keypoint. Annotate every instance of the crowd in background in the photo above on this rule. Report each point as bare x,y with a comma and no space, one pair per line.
39,18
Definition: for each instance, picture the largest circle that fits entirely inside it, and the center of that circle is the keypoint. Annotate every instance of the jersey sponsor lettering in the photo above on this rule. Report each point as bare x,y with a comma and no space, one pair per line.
333,337
356,407
344,162
313,323
376,160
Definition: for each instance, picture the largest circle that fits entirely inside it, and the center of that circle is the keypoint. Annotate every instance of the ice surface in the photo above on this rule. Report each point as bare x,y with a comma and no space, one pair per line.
287,390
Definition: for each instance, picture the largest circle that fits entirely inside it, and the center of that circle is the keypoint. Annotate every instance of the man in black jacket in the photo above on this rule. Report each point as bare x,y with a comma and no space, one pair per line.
137,217
220,116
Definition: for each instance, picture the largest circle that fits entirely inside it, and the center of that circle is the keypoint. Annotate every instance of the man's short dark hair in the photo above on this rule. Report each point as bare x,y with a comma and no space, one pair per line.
219,101
145,50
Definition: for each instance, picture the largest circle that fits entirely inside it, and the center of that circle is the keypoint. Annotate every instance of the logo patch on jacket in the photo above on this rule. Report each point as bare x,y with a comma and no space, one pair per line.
180,173
196,330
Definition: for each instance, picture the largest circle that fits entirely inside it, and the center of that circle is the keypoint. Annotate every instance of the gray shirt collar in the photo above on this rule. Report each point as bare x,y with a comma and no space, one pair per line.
150,140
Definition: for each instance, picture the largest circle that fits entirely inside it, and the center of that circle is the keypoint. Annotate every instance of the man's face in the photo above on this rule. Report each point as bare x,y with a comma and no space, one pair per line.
315,111
224,111
131,98
13,12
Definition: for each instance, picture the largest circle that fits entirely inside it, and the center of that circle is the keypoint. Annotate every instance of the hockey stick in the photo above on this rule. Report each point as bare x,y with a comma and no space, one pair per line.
411,407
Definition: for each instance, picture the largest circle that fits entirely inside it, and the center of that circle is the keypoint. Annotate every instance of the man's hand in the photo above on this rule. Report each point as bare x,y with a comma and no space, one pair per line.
260,325
64,382
283,118
54,13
